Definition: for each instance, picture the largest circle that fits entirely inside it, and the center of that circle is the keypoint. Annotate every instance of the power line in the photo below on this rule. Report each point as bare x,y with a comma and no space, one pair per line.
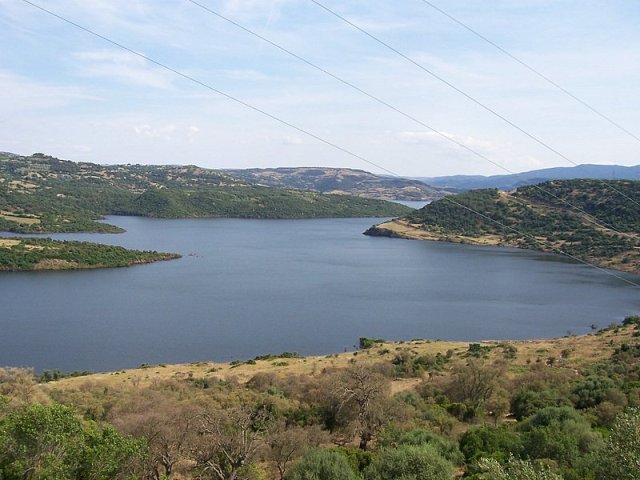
390,106
460,91
573,257
351,85
208,87
533,70
306,132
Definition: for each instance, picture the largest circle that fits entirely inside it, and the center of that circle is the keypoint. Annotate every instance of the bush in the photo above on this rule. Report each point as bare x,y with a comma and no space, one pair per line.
591,391
527,402
560,434
366,343
418,437
516,470
490,442
410,463
322,464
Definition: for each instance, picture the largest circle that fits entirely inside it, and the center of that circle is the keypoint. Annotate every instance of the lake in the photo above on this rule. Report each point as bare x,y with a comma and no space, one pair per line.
250,287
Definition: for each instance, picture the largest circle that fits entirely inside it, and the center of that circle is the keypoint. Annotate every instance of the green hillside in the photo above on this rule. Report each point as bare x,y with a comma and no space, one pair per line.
540,218
40,193
19,254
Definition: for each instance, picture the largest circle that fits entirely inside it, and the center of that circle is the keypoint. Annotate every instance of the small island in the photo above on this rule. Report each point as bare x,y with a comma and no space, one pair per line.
28,254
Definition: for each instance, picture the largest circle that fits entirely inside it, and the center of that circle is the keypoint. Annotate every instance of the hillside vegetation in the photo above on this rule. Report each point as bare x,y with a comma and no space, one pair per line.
565,408
341,181
20,254
538,218
44,194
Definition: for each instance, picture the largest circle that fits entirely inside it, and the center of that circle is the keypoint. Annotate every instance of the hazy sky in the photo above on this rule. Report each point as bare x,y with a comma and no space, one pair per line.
68,94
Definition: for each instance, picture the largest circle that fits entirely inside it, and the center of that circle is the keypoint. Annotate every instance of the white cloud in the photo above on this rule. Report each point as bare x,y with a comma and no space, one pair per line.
192,132
165,132
445,137
292,140
147,114
19,93
123,67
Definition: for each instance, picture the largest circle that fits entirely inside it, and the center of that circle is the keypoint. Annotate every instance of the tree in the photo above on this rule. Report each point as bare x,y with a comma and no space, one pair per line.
229,439
620,459
169,430
49,441
109,455
365,389
284,444
410,462
474,383
497,405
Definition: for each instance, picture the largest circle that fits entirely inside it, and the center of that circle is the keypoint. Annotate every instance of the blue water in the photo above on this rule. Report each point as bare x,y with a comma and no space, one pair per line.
249,287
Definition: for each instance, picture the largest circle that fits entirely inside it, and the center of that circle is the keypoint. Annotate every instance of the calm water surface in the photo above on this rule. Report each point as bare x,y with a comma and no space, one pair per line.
249,287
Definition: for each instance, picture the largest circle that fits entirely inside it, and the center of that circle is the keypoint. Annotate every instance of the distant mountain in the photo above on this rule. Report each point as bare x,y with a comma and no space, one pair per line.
39,193
511,182
340,181
539,219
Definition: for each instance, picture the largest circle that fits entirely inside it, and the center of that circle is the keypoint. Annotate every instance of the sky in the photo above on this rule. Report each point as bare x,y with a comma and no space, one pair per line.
67,93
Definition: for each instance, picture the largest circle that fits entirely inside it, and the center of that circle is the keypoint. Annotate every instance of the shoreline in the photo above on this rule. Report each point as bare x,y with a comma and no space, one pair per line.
404,230
593,347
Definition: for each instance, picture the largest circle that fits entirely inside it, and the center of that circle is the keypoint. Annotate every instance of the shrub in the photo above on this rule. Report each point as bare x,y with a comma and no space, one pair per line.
366,343
410,463
515,469
322,464
417,437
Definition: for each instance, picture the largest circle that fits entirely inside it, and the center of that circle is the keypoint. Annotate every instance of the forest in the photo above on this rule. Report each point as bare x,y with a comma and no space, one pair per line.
565,408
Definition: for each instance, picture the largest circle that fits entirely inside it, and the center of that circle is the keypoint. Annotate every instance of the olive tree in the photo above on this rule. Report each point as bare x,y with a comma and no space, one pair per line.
620,459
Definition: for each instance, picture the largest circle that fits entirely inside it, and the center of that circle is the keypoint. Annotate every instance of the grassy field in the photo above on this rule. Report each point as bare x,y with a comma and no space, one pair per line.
584,350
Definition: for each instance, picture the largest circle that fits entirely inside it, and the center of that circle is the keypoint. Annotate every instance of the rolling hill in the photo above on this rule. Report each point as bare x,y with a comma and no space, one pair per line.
40,193
341,181
539,219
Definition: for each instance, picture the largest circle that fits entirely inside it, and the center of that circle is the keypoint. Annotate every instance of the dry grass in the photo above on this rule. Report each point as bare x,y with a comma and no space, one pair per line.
20,184
404,229
54,264
22,219
9,242
571,352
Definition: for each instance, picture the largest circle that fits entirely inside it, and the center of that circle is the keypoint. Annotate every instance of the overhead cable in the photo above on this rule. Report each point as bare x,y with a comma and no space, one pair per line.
533,70
308,133
460,91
